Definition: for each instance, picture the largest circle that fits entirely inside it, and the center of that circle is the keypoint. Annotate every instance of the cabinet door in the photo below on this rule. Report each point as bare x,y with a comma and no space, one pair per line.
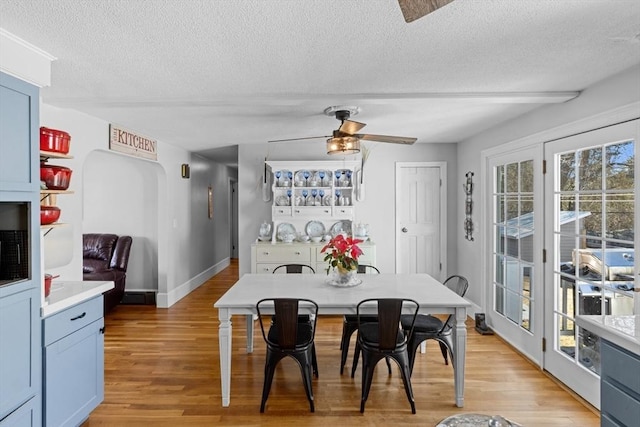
19,135
74,376
25,416
20,359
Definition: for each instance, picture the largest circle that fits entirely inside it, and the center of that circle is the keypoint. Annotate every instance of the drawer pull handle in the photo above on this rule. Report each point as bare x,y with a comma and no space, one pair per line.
102,330
84,313
297,253
265,253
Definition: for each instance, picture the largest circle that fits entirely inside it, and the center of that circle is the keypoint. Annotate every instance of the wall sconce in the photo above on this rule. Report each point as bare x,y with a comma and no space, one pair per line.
185,170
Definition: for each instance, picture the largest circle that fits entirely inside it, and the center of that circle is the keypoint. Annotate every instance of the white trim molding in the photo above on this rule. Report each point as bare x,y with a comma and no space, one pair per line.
24,61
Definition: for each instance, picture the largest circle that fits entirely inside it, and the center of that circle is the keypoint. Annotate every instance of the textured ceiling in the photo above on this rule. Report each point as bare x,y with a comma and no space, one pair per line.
205,74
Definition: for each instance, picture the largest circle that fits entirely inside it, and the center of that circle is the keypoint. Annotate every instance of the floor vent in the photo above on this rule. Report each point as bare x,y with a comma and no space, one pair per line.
139,298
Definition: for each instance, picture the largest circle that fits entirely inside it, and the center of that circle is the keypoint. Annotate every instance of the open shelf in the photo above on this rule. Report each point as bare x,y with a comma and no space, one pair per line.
44,155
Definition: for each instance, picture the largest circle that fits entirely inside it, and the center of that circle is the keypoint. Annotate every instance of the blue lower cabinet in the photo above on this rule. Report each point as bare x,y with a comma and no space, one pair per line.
73,364
619,386
27,415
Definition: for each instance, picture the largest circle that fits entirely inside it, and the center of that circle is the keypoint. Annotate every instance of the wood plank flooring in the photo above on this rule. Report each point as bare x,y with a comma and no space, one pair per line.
162,369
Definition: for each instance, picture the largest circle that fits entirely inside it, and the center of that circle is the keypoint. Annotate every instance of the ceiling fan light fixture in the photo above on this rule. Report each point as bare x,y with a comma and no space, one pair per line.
343,145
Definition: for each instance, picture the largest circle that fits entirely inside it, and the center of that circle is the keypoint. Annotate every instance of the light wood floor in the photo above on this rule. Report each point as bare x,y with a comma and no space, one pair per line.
162,369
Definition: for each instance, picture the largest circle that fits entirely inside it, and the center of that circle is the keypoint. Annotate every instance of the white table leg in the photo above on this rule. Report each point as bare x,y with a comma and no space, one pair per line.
459,351
249,333
224,338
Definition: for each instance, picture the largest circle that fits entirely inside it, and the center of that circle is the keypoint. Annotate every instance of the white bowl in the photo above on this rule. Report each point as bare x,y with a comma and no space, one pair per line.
264,238
303,238
316,239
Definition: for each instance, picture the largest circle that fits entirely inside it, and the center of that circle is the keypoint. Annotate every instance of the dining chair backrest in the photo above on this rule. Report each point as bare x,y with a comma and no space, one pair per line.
459,285
389,311
295,268
367,269
286,311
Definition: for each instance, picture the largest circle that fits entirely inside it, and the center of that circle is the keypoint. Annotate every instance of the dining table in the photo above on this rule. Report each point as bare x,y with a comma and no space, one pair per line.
431,295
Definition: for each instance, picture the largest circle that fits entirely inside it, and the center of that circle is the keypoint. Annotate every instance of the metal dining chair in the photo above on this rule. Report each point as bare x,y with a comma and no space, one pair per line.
427,327
384,339
350,322
288,338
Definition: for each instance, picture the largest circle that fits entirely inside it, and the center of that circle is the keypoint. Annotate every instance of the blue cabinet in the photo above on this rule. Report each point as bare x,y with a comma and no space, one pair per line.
619,386
73,363
20,327
19,135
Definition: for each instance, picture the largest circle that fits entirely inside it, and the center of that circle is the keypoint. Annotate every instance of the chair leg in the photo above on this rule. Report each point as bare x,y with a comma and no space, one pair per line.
305,362
368,366
412,347
443,350
403,361
386,359
356,356
269,369
347,331
314,360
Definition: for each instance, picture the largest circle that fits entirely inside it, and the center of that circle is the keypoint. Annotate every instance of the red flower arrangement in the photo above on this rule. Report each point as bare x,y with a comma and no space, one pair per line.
342,253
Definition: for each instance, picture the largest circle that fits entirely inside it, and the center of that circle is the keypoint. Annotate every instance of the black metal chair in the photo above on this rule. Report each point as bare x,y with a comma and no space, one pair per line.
288,337
295,268
427,327
299,269
350,323
384,339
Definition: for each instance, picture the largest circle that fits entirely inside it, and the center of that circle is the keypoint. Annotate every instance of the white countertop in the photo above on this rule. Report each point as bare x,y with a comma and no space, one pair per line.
621,330
65,294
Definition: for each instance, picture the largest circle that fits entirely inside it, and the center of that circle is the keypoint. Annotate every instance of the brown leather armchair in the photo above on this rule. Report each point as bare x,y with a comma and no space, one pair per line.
105,257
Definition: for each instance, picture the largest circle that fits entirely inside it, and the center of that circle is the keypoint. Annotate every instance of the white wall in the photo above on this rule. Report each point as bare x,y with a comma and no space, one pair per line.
378,208
176,246
547,122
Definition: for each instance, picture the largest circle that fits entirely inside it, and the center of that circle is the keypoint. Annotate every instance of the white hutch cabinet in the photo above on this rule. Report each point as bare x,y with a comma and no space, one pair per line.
314,198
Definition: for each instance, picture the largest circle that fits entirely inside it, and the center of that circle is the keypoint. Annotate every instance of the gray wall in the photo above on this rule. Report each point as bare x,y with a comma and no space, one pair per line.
378,208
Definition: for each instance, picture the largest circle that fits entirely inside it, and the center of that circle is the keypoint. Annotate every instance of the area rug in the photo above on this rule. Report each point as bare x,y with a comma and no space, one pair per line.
476,420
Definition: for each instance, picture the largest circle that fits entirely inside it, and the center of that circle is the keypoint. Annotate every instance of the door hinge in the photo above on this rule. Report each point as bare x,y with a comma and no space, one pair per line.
544,345
544,255
440,266
440,183
544,167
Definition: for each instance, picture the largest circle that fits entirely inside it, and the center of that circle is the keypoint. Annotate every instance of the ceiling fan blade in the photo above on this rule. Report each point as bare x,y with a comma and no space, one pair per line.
387,138
300,139
350,127
415,9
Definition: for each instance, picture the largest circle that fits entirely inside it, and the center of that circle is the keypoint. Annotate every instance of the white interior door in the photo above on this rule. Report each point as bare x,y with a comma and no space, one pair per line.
515,275
420,218
591,181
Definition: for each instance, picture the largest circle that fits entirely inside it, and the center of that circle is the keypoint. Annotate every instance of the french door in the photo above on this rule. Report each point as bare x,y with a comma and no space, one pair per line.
590,238
515,295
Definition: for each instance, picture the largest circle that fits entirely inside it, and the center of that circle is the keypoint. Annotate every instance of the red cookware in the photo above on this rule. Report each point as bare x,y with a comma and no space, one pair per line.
49,214
55,177
55,141
47,283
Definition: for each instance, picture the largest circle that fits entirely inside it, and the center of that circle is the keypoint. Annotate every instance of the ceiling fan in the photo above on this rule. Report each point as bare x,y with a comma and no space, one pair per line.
345,139
415,9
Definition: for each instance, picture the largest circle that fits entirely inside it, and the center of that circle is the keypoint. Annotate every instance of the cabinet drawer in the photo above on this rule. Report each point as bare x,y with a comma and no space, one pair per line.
619,405
343,212
281,211
620,366
70,320
284,255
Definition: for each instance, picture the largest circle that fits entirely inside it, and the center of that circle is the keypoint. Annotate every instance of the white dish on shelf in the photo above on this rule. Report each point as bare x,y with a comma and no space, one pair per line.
343,226
316,239
315,229
326,200
264,238
285,229
282,201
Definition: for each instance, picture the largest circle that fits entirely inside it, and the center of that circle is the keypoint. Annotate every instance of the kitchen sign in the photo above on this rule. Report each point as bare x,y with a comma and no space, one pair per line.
126,141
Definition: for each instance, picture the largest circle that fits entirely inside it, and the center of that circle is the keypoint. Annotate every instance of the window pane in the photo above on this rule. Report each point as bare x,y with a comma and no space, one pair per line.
500,239
512,207
499,273
512,178
526,314
589,350
568,204
619,215
500,179
591,208
500,204
619,166
499,302
590,169
526,176
567,172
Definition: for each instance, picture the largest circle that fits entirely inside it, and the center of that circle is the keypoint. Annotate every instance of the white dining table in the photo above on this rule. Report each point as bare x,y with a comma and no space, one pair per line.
432,296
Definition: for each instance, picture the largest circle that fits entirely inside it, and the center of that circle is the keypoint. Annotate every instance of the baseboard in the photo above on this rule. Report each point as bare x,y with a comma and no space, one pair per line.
139,298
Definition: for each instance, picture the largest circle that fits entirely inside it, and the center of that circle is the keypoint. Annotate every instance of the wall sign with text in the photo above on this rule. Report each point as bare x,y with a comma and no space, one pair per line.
129,142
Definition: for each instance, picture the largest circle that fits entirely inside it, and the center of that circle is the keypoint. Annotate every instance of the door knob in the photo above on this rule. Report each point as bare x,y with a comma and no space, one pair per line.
404,229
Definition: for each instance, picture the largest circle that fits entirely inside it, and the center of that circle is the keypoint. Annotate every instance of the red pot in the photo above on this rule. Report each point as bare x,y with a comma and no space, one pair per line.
55,177
47,284
53,140
49,214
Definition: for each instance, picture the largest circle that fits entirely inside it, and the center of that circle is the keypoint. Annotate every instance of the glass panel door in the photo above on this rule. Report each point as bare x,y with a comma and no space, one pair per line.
515,296
591,225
